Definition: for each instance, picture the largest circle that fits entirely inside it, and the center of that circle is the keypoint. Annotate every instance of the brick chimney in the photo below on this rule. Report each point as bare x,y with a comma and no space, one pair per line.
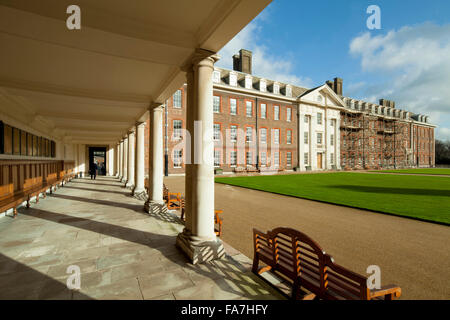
338,86
330,84
243,61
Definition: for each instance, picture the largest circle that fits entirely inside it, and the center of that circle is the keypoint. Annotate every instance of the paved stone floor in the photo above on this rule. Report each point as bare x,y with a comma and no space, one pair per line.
122,252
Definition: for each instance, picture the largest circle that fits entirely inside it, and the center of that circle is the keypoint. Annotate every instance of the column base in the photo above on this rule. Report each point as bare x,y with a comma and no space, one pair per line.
140,194
129,185
155,207
200,251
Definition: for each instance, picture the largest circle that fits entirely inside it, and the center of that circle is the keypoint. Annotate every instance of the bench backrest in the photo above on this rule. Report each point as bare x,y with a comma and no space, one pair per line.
300,258
51,178
6,191
31,183
343,284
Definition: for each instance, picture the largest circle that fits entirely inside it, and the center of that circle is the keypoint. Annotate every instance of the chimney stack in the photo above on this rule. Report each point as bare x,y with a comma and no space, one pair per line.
330,84
243,61
338,84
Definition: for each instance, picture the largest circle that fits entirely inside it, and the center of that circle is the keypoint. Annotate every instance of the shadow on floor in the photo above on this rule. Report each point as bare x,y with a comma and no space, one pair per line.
236,280
388,190
125,192
118,183
166,217
20,282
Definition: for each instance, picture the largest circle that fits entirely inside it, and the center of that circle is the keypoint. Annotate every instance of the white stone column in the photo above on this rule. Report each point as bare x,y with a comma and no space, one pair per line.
155,202
117,160
139,187
125,159
198,239
120,160
131,148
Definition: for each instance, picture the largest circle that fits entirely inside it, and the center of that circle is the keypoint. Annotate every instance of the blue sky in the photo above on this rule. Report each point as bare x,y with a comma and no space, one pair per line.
307,43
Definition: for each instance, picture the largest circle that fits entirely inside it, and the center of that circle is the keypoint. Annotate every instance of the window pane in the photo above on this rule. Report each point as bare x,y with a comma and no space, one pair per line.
249,106
276,112
263,111
177,124
216,104
177,99
249,134
233,107
233,133
216,131
263,135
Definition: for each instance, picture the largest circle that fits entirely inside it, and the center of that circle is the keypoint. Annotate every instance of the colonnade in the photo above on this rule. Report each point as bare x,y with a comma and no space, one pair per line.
198,239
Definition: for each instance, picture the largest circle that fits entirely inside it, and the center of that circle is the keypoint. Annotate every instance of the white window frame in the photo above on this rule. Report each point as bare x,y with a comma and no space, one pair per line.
177,99
288,159
263,137
276,136
289,136
276,112
177,155
247,109
263,114
289,114
233,163
231,106
248,138
217,154
217,133
233,133
177,132
216,103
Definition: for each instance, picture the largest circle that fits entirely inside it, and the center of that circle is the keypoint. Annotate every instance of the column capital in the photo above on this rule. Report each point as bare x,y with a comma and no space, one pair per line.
140,124
155,105
200,55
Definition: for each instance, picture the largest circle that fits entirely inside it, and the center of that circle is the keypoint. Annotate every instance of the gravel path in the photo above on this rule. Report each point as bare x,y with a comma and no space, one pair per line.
412,254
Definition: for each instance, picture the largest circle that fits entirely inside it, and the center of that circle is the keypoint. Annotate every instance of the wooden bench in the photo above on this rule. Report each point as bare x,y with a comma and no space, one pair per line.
303,262
9,200
33,187
173,201
218,220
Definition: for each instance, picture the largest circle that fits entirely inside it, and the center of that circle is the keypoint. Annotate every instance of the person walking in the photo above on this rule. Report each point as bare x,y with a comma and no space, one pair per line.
93,170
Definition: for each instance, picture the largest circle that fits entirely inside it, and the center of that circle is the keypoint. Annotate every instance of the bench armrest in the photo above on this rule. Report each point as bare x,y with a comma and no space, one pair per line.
391,289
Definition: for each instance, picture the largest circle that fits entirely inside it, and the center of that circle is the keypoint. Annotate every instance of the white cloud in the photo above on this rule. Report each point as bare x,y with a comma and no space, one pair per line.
414,65
265,64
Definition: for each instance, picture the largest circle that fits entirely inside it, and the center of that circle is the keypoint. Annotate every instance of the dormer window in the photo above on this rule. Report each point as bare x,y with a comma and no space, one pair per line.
288,91
216,76
233,79
276,88
262,85
248,82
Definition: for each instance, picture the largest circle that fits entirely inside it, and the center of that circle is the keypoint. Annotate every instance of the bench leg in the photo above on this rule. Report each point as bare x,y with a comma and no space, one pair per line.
28,202
15,212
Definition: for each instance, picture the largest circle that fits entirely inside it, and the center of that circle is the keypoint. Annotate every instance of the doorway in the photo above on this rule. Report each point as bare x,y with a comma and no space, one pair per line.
97,155
319,161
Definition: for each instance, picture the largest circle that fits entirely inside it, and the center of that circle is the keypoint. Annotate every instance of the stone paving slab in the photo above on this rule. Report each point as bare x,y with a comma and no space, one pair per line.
122,252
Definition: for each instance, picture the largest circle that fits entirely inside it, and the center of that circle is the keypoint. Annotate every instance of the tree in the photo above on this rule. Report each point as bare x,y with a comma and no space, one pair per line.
442,152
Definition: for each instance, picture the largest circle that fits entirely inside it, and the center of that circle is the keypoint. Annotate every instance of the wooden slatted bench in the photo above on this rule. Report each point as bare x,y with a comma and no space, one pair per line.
295,256
34,187
173,201
9,200
218,220
52,181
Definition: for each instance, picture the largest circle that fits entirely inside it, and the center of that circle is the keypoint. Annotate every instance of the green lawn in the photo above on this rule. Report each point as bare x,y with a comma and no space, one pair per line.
420,171
421,197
